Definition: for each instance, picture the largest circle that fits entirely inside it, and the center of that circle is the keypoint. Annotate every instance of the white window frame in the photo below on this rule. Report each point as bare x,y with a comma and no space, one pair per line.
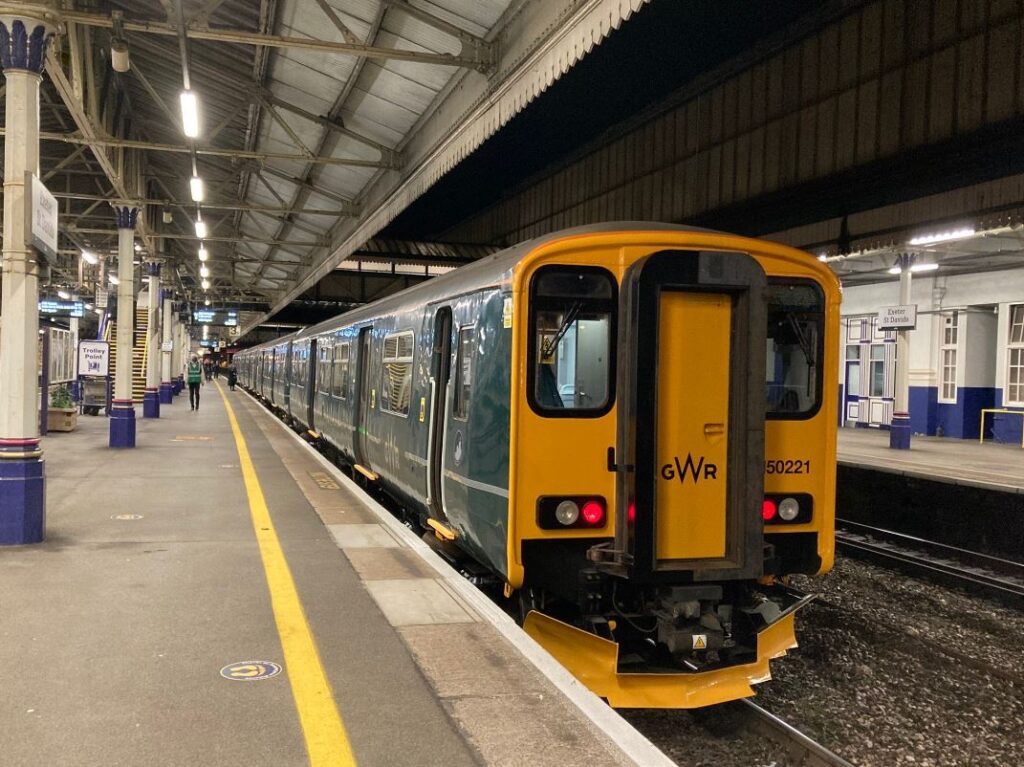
323,368
871,370
385,401
1015,349
948,356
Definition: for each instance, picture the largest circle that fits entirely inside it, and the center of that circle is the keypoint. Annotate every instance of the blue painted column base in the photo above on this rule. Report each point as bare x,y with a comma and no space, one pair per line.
122,424
899,432
22,496
151,403
166,393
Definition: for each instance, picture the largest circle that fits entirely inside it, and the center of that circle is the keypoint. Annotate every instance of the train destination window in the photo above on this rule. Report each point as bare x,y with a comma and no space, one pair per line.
796,313
464,372
572,336
396,386
339,382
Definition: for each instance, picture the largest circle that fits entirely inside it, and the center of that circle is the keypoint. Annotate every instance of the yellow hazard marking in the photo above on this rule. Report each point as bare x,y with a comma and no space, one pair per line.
326,740
700,642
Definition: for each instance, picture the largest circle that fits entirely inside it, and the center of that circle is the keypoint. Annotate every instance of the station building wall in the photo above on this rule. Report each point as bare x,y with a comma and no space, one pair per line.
967,354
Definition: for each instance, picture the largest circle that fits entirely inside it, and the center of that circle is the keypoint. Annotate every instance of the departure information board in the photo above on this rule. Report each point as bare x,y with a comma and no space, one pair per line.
223,317
54,307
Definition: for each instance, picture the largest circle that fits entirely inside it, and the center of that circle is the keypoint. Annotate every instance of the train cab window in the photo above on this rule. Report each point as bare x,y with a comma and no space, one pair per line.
339,380
572,341
796,314
464,372
396,386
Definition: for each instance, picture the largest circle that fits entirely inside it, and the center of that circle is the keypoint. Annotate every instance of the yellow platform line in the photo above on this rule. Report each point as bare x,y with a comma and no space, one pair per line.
326,740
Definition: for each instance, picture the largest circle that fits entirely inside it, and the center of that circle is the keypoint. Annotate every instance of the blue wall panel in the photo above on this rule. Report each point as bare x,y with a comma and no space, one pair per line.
922,403
1005,428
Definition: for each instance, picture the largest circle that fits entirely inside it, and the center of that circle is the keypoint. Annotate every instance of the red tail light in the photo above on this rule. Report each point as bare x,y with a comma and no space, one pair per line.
593,512
631,514
768,509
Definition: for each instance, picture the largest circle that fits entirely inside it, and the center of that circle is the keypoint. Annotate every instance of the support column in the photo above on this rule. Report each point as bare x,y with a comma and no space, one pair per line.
24,34
151,397
899,429
122,413
166,387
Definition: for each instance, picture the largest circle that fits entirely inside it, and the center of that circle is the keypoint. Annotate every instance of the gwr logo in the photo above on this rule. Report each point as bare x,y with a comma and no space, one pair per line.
696,471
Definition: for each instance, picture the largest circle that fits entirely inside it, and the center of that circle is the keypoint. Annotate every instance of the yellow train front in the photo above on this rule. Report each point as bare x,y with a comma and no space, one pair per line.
672,454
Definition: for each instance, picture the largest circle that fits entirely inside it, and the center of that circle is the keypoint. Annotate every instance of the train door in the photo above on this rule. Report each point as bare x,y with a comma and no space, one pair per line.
272,383
364,401
312,377
440,373
851,388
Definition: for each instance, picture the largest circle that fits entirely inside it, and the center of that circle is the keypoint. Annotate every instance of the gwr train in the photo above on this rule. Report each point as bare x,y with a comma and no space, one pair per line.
631,426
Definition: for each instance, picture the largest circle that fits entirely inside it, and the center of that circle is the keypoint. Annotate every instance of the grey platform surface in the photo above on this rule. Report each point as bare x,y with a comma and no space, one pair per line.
957,461
113,632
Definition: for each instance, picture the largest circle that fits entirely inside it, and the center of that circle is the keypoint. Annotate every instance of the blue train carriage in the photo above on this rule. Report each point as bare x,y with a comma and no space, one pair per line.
632,426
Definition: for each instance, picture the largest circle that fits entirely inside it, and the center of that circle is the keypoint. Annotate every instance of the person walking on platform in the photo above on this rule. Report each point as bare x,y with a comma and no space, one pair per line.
195,380
232,376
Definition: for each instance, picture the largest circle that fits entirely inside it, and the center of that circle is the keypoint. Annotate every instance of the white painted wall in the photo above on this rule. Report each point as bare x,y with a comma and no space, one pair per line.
982,348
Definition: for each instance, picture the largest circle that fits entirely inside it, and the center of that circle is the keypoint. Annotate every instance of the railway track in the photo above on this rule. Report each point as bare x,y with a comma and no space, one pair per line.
801,750
1001,578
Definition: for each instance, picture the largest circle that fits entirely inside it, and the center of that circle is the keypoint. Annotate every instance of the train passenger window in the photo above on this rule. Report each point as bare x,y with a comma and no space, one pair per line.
796,313
572,341
464,372
323,370
396,386
339,381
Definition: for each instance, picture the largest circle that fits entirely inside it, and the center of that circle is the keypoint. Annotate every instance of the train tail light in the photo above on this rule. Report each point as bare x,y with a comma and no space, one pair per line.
788,509
593,513
768,509
631,514
571,512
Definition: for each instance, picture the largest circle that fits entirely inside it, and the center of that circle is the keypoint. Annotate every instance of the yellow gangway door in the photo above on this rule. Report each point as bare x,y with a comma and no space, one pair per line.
694,331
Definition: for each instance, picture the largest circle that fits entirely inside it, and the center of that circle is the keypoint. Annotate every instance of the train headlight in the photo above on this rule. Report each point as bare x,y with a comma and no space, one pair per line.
789,509
567,513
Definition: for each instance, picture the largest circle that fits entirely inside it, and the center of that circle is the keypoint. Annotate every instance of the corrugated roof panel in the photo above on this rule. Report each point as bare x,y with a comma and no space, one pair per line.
396,89
475,16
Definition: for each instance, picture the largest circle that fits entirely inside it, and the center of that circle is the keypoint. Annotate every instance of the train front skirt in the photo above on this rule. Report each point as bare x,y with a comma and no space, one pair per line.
595,661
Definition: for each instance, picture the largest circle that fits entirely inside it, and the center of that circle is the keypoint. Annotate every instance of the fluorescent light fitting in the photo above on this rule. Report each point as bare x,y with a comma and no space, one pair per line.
203,254
206,284
953,234
90,257
190,114
924,267
138,248
895,270
822,257
201,229
204,271
63,294
206,302
90,307
196,187
113,280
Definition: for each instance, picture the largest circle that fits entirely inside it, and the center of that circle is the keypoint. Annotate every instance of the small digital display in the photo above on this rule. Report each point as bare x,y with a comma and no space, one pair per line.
55,307
223,317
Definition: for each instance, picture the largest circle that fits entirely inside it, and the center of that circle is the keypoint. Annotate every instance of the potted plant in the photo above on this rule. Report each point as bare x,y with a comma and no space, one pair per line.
62,415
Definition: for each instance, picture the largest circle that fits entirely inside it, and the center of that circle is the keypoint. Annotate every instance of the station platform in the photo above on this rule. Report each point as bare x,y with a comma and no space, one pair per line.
220,595
953,461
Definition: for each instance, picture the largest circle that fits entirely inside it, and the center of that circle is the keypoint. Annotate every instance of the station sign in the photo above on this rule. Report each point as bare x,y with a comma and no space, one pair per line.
898,317
209,343
93,358
222,317
40,217
54,307
102,298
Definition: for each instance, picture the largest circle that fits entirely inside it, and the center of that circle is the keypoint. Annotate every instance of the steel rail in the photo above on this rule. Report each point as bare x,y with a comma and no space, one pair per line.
805,751
1006,581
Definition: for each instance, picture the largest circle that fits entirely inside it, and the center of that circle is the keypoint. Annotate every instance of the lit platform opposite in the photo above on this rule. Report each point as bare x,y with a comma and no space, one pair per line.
132,635
955,461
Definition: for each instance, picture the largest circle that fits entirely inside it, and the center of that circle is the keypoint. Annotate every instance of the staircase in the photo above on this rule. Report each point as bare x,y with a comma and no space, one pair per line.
138,352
